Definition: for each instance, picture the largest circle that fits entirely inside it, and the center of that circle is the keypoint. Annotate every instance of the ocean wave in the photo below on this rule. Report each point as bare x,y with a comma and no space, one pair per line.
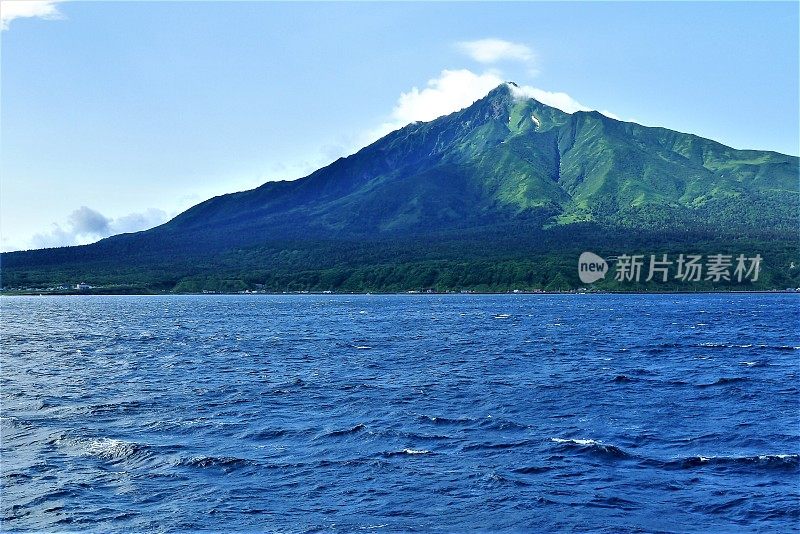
500,479
725,380
213,461
407,452
44,404
712,345
118,407
644,371
501,445
533,469
575,441
344,432
616,503
623,378
357,387
497,423
415,451
677,383
594,447
12,421
781,462
108,449
665,347
266,434
789,462
437,420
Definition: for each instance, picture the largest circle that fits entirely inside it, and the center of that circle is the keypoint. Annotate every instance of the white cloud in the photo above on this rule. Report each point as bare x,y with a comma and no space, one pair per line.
85,225
453,90
610,114
559,100
88,221
17,9
495,50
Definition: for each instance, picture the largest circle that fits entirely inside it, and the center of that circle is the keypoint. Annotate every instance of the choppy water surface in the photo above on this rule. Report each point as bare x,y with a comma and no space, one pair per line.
394,413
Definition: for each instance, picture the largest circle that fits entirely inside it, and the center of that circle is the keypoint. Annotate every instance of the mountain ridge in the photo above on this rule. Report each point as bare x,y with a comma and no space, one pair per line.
484,121
503,165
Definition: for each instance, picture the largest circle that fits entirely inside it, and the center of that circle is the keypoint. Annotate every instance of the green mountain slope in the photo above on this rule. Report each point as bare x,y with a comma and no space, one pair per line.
507,179
504,157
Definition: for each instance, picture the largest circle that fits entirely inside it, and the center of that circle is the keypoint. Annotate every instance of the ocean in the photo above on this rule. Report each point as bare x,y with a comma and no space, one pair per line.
446,413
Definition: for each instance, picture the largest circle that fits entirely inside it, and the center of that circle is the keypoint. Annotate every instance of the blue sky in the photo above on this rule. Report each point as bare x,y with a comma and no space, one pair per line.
118,115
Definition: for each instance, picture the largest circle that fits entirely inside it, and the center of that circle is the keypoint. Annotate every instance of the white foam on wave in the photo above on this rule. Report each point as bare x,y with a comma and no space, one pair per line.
106,448
576,441
415,451
760,457
502,316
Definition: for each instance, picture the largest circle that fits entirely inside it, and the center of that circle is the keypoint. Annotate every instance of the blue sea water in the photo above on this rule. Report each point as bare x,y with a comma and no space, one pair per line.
452,413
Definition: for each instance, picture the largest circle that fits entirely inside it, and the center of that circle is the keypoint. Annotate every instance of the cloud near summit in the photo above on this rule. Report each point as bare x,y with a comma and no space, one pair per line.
453,90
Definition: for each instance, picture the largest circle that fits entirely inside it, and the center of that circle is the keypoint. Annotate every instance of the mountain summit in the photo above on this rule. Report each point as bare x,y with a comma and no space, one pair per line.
502,179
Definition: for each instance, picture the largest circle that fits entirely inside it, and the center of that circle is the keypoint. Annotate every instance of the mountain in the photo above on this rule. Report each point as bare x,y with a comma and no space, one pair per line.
504,193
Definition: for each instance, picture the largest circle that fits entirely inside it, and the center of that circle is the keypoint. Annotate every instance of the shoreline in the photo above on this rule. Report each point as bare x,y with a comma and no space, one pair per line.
396,293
